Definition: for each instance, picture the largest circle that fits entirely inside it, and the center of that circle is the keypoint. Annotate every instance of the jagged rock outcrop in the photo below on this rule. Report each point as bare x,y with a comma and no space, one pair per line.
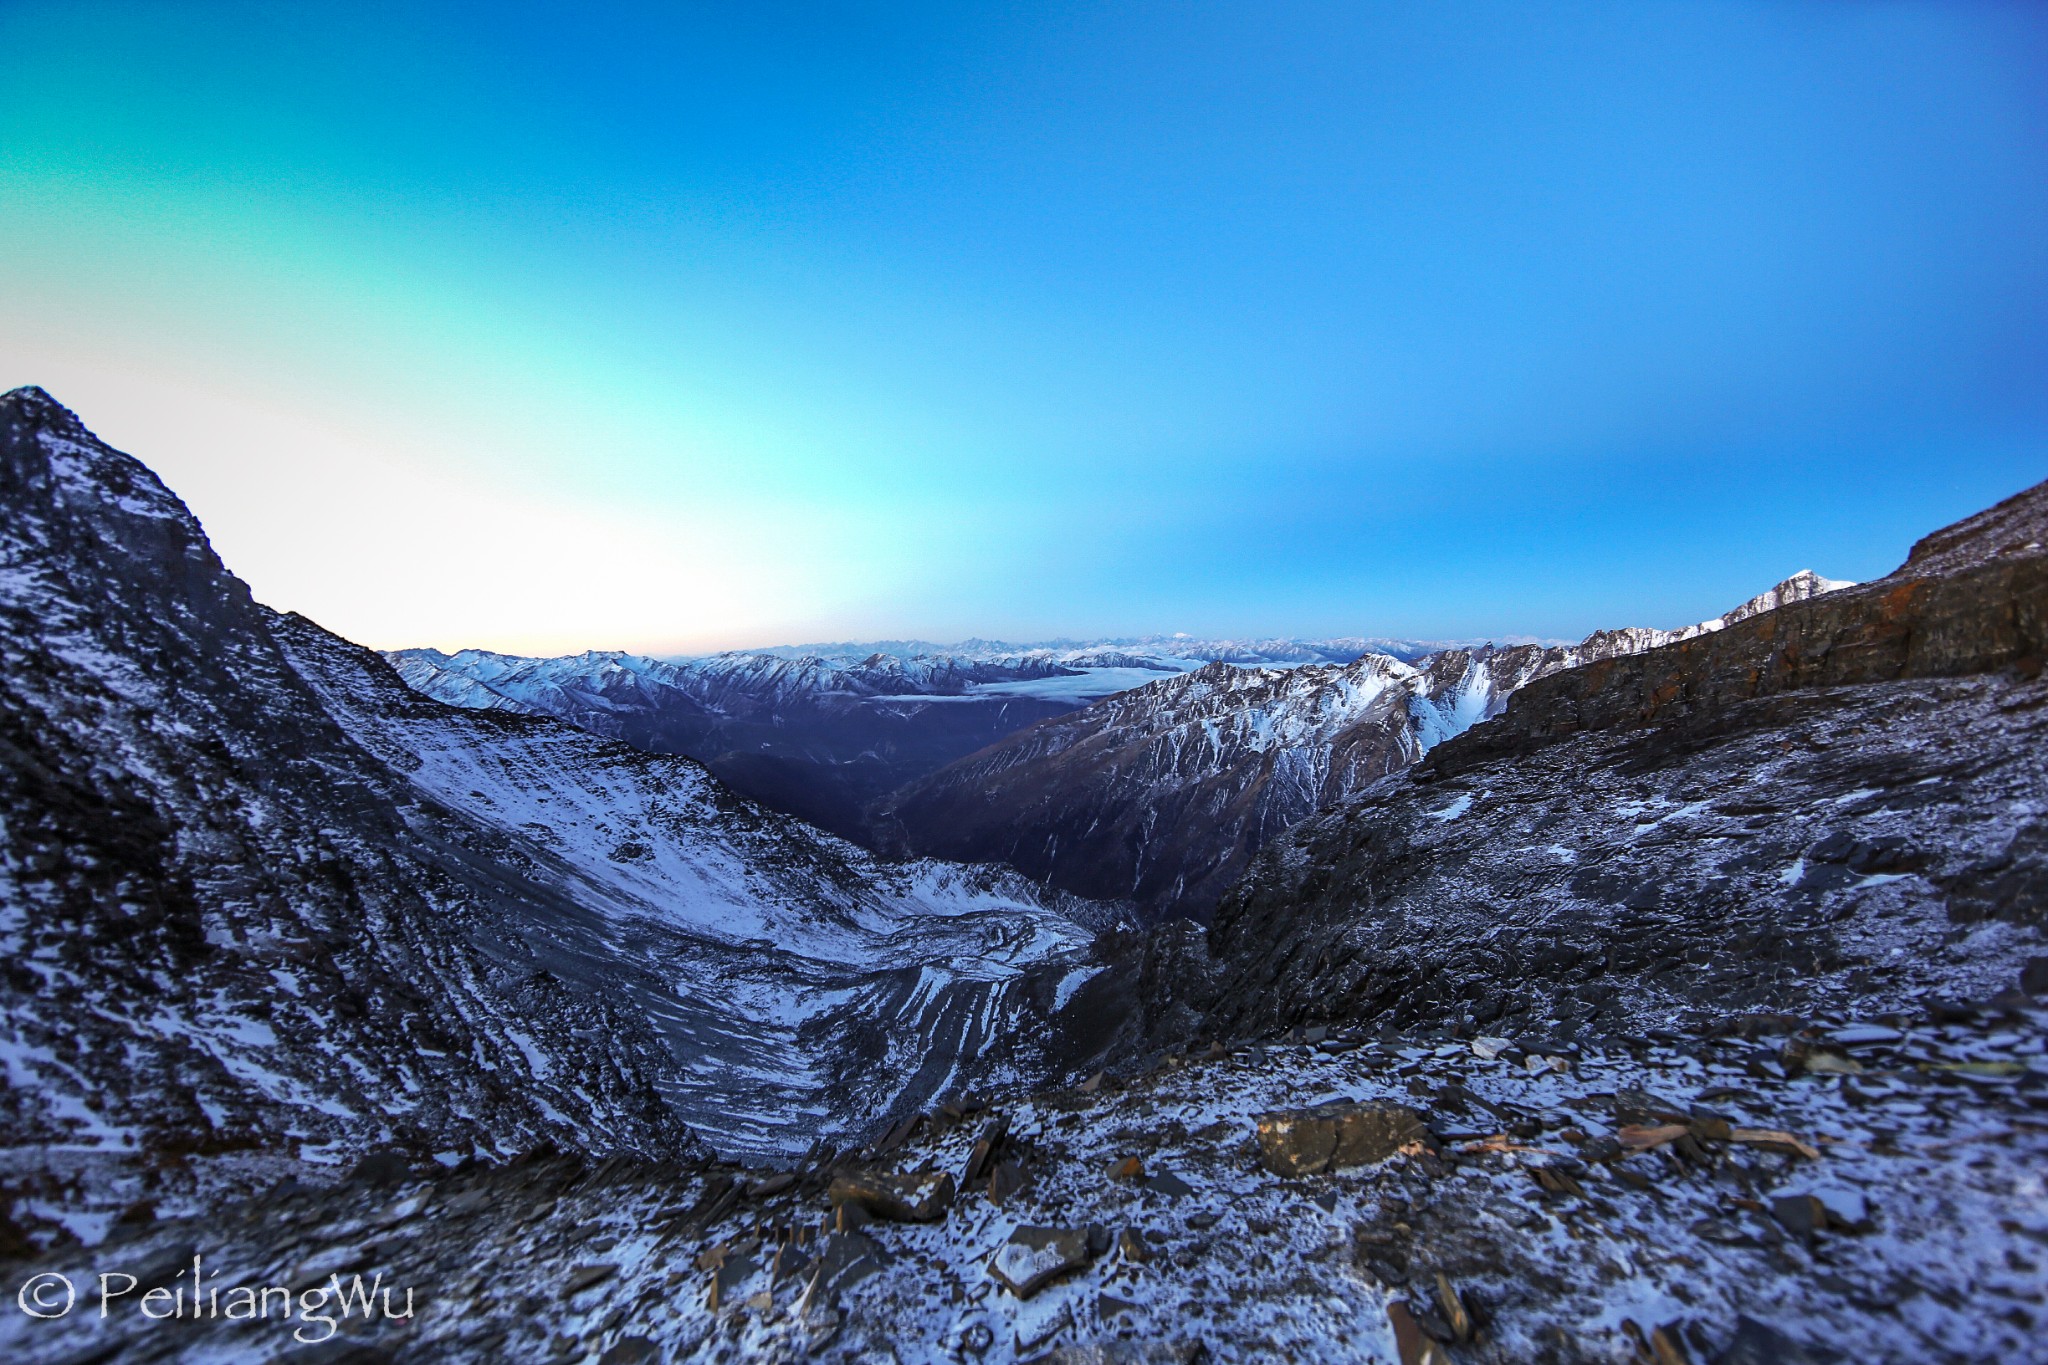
1834,802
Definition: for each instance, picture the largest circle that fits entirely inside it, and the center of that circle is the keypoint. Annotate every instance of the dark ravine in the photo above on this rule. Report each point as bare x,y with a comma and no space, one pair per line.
822,744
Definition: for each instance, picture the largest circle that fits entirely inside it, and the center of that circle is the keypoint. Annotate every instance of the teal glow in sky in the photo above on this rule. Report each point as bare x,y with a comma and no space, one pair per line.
676,327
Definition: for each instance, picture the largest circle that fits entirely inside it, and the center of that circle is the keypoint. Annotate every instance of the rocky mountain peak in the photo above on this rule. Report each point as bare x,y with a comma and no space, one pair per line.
2014,528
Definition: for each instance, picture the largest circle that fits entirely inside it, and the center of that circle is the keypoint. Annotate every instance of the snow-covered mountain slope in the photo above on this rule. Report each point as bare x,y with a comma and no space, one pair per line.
1609,644
1162,794
261,902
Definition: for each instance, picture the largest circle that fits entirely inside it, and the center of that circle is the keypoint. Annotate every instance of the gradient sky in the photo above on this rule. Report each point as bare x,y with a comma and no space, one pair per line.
676,327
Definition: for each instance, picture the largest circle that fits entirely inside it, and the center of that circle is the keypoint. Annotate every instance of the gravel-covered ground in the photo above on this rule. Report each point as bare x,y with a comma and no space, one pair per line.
1871,1189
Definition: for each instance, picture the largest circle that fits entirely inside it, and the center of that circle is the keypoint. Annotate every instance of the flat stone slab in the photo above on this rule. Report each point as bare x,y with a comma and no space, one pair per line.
1330,1136
1034,1257
917,1198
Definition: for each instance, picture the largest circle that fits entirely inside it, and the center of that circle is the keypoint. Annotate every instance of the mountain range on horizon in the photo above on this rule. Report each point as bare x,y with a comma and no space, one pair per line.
900,751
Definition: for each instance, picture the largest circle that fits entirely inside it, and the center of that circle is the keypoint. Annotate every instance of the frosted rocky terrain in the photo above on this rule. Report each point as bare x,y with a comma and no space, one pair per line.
1687,1009
1684,1198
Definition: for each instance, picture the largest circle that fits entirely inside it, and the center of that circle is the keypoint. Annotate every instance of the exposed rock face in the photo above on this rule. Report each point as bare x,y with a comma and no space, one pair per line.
261,902
1960,608
1835,801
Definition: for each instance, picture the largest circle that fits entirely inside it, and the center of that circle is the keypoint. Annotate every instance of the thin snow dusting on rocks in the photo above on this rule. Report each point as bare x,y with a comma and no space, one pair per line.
1817,1189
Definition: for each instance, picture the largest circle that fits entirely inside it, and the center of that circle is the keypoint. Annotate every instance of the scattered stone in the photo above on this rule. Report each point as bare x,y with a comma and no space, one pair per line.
1774,1140
1641,1109
1455,1315
630,1351
1108,1307
1168,1184
1848,1211
1315,1035
1763,1025
1006,1179
2034,977
1757,1343
1864,1035
845,1258
984,1151
899,1134
920,1197
1296,1142
1202,1222
1710,1128
1638,1138
1415,1346
1489,1049
586,1276
1943,1011
1661,1347
1034,1257
1094,1083
773,1185
1130,1168
1814,1059
1131,1247
1802,1215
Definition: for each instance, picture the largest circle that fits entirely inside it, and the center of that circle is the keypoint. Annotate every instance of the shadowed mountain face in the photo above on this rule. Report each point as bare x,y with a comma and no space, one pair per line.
819,739
1834,804
1164,794
824,732
260,901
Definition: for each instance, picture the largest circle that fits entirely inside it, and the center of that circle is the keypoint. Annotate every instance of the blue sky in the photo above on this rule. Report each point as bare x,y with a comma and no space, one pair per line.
677,327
